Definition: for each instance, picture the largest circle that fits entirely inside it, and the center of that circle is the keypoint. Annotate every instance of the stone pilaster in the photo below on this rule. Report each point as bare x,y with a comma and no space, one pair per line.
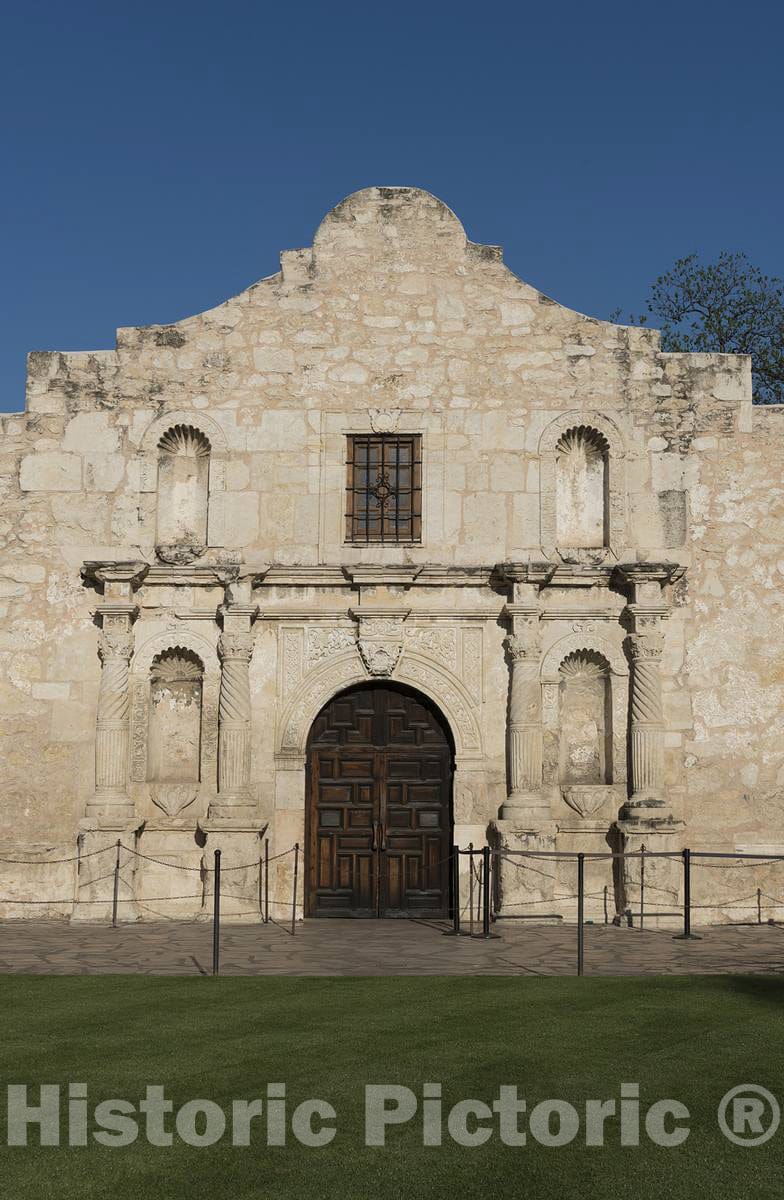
110,806
525,804
235,801
524,731
647,817
646,721
644,615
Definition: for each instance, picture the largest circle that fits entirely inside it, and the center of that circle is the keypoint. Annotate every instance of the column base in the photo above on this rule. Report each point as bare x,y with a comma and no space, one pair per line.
529,810
240,844
112,811
657,904
94,899
230,813
526,885
647,810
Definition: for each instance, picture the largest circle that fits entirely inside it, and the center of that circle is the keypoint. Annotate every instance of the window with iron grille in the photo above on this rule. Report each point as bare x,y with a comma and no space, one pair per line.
384,489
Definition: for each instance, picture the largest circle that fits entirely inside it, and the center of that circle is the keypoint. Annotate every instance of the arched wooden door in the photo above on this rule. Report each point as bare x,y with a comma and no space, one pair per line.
380,766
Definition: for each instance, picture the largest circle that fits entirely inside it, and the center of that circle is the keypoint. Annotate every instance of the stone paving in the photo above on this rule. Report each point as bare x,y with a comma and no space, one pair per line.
381,948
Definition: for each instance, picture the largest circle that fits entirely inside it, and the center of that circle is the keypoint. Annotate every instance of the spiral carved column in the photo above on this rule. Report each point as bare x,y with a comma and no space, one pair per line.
646,722
110,802
524,731
234,795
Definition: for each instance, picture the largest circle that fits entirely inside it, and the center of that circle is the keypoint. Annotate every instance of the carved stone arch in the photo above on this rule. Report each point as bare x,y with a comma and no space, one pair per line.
608,435
575,642
146,652
346,669
175,639
449,694
214,434
184,416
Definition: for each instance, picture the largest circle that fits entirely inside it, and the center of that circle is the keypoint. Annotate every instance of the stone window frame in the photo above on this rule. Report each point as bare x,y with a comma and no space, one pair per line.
140,668
336,426
619,700
616,476
148,463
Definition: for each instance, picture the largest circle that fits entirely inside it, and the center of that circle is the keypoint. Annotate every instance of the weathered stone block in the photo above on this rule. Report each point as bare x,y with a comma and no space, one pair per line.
51,472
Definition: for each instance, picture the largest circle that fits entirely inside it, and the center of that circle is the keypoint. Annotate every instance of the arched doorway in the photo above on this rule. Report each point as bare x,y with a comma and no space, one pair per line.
379,812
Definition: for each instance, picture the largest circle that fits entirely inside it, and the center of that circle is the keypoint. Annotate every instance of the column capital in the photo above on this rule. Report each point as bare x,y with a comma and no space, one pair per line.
522,641
648,646
236,645
519,647
115,643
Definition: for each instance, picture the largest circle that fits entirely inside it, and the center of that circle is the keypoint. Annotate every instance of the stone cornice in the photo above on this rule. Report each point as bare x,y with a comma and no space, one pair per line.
525,572
130,572
632,574
367,576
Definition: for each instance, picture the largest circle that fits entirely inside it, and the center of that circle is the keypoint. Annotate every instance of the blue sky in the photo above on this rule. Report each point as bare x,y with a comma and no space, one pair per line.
157,156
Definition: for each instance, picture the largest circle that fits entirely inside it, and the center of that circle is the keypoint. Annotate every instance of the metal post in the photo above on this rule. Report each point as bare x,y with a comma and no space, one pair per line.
642,886
486,892
116,886
759,906
454,864
266,881
687,933
216,915
471,889
294,897
580,910
606,918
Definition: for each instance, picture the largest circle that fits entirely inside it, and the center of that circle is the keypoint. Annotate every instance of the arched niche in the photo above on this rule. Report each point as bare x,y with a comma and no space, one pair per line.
174,731
583,488
150,653
183,492
182,458
569,664
584,720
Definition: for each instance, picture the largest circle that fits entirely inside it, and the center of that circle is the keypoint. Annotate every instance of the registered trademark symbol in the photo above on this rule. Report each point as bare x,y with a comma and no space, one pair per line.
749,1114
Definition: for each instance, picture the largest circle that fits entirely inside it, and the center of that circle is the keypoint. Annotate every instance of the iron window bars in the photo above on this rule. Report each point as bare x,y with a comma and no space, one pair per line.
384,488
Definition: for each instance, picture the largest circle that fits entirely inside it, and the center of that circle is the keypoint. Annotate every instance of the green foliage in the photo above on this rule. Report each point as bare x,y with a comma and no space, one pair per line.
727,306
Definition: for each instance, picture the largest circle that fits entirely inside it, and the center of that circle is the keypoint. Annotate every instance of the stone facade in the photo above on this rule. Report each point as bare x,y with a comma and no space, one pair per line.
174,549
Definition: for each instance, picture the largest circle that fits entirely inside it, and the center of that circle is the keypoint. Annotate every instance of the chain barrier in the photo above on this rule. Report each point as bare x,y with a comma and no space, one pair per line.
480,874
50,862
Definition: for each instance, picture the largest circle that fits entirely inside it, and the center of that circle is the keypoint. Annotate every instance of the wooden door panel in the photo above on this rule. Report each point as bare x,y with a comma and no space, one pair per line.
380,769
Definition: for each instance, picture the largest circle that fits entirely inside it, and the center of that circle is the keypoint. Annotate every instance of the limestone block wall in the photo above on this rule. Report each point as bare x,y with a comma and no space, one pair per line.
392,320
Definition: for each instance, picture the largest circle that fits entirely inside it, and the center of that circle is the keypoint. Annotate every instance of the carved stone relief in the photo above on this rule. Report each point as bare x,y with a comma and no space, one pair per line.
440,642
323,644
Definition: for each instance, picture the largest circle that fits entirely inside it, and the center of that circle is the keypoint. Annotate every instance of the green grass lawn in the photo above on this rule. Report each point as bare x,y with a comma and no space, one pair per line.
223,1039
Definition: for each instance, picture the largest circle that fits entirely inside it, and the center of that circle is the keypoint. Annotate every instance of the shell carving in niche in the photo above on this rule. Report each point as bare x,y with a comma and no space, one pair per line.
174,729
585,753
185,441
581,480
176,666
585,664
183,494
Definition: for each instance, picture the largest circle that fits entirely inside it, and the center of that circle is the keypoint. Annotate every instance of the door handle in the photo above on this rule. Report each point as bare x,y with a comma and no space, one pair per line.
383,836
374,846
